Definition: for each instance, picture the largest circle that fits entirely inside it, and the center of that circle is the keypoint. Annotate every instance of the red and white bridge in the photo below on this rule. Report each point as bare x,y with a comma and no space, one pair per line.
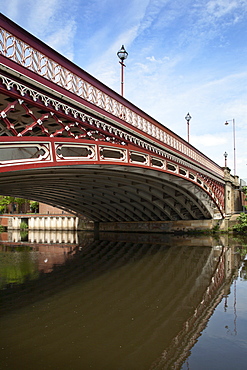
70,141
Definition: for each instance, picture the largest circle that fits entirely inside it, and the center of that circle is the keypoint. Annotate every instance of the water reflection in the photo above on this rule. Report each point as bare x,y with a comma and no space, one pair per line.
125,301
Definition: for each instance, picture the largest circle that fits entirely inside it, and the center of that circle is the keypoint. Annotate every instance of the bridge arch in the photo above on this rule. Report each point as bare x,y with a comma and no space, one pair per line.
112,192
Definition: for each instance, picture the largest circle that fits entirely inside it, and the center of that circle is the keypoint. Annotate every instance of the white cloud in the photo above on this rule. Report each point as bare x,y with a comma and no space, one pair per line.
41,14
219,8
62,39
208,140
152,59
53,21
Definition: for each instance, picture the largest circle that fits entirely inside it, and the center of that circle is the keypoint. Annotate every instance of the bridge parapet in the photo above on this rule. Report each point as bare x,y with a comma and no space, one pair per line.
31,55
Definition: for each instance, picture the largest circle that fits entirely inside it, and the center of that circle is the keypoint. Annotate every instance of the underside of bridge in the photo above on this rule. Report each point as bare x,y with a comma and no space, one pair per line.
111,193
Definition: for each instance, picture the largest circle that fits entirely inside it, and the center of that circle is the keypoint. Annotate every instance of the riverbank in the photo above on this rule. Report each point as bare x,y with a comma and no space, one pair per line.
179,226
53,222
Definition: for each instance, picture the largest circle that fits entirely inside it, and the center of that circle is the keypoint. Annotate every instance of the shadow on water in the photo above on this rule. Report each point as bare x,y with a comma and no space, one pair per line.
125,301
87,260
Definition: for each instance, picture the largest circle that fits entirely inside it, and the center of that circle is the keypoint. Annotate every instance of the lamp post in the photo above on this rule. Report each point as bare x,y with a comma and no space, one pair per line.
234,142
188,118
122,55
225,155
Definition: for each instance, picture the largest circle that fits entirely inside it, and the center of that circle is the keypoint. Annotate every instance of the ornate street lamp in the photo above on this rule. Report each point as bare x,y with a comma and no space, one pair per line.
234,142
188,118
122,55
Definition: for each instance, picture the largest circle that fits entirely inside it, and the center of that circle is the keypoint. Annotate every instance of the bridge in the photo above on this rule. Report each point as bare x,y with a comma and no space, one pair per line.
70,141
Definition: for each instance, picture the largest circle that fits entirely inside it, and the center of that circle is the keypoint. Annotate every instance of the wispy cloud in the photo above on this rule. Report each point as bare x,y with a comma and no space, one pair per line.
219,8
53,21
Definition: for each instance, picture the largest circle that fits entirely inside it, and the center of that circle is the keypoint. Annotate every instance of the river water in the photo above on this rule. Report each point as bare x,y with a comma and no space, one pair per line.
122,302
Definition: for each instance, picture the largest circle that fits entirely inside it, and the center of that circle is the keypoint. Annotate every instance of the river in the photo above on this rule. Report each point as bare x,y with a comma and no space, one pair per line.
122,302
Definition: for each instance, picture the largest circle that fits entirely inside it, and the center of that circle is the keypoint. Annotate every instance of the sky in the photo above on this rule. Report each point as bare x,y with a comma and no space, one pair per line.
183,56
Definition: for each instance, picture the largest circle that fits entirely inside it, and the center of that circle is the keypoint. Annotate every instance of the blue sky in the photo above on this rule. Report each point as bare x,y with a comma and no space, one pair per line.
184,56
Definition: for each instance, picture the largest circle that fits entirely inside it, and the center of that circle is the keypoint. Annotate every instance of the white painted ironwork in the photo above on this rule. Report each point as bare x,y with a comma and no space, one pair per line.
107,127
79,149
32,59
19,153
113,154
124,155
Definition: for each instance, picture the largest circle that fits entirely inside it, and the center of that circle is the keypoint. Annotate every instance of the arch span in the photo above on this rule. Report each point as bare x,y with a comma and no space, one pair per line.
112,192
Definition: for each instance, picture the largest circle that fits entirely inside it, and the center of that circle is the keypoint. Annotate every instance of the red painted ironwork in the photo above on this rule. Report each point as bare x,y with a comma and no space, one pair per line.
52,113
28,52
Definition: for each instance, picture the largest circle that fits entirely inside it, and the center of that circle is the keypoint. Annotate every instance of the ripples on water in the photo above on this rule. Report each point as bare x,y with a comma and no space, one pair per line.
125,301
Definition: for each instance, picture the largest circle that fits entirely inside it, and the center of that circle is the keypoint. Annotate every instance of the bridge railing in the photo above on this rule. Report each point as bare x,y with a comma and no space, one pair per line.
31,53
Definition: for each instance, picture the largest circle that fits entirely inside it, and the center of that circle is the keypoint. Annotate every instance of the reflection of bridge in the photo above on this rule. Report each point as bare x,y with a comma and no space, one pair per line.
70,141
171,291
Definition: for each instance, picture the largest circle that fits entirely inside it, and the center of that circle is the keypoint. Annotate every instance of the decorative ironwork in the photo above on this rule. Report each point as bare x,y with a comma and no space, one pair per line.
15,153
19,153
39,125
32,59
75,152
113,154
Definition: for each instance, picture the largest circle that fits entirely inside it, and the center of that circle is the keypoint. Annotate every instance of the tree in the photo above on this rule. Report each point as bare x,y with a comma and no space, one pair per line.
241,226
34,206
4,202
19,202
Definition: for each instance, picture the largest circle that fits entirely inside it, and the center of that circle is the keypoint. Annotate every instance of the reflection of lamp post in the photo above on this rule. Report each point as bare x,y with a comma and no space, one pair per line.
188,118
234,142
122,54
225,155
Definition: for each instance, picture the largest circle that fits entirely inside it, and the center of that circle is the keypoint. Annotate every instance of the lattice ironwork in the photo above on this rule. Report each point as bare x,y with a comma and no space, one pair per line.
69,127
27,56
19,118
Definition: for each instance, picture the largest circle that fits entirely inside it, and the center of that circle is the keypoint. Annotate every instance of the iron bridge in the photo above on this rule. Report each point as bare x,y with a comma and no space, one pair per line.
70,141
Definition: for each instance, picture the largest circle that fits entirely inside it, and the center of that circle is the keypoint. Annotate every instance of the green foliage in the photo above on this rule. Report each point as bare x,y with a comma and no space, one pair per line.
242,250
23,225
244,189
241,226
4,202
23,234
216,229
34,206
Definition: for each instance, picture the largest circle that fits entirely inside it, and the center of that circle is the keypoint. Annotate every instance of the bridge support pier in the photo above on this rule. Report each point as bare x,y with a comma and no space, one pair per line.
169,227
233,203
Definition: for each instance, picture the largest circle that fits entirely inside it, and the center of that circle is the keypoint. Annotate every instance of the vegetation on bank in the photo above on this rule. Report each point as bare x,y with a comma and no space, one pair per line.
23,226
8,203
241,226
